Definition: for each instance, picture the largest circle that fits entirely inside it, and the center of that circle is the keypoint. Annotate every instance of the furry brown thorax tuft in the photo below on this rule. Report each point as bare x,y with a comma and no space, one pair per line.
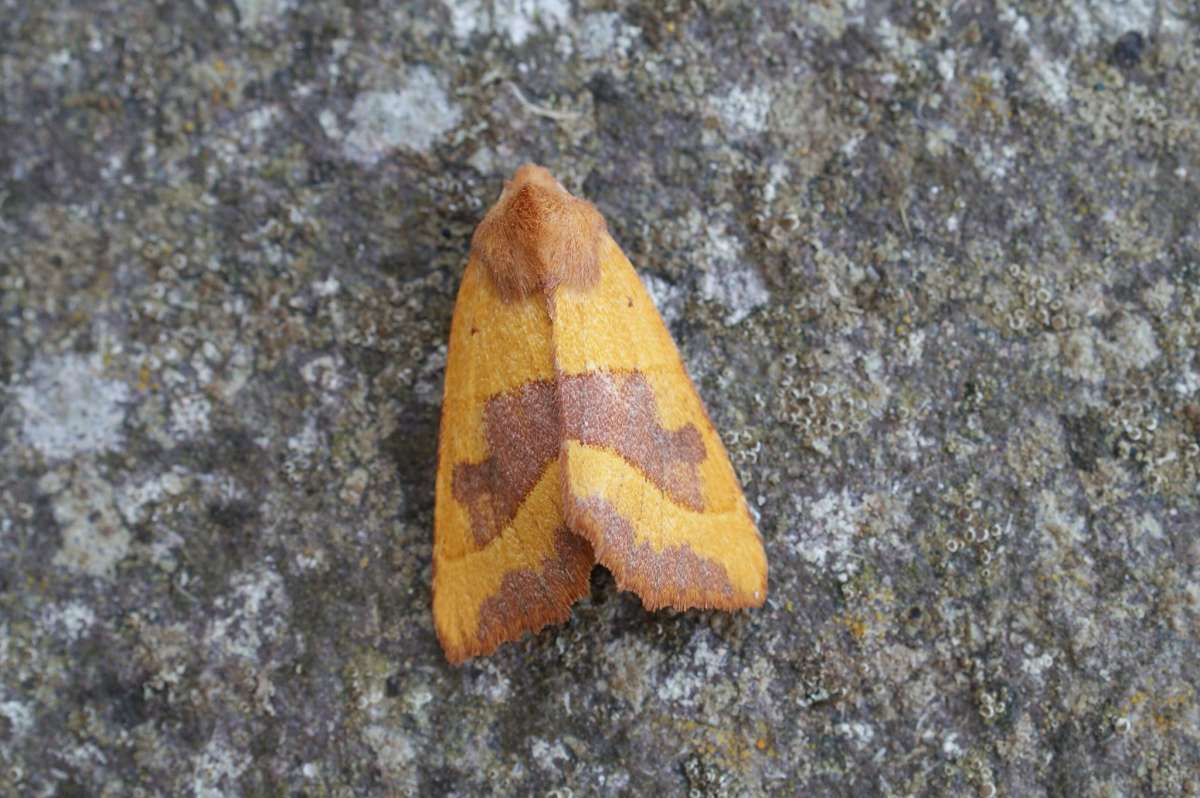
538,237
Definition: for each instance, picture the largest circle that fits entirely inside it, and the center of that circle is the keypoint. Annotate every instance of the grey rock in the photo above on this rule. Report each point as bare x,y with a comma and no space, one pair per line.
934,266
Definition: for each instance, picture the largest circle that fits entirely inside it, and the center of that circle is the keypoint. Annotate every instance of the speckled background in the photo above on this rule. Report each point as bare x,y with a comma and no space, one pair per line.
935,267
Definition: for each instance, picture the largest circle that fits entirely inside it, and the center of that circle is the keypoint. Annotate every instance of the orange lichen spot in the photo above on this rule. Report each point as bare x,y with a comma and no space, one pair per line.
857,627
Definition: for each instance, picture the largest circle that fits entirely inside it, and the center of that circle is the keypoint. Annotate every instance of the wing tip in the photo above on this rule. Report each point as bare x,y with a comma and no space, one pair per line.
675,577
459,650
526,602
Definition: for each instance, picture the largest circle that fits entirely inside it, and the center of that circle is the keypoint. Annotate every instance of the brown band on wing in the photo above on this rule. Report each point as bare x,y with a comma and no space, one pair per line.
538,237
528,600
675,577
618,411
522,433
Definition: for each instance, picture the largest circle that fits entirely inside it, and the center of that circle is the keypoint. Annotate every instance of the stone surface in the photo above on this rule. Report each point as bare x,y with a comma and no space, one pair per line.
935,266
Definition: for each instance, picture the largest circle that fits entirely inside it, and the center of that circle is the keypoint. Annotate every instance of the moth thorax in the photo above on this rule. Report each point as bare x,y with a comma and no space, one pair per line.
538,237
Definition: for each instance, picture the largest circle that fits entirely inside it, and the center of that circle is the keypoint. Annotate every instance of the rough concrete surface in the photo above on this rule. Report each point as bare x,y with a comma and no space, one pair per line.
933,264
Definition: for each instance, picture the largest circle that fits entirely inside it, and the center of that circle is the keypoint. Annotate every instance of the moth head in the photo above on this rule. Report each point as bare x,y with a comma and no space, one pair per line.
538,237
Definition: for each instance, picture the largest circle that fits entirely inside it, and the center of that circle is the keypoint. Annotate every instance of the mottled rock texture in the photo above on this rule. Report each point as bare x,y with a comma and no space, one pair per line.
934,265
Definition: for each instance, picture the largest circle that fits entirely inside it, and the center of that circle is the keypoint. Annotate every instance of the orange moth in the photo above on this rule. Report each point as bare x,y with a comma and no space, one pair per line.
572,435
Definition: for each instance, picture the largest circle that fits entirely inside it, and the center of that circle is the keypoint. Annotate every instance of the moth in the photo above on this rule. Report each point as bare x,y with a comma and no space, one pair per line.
572,435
